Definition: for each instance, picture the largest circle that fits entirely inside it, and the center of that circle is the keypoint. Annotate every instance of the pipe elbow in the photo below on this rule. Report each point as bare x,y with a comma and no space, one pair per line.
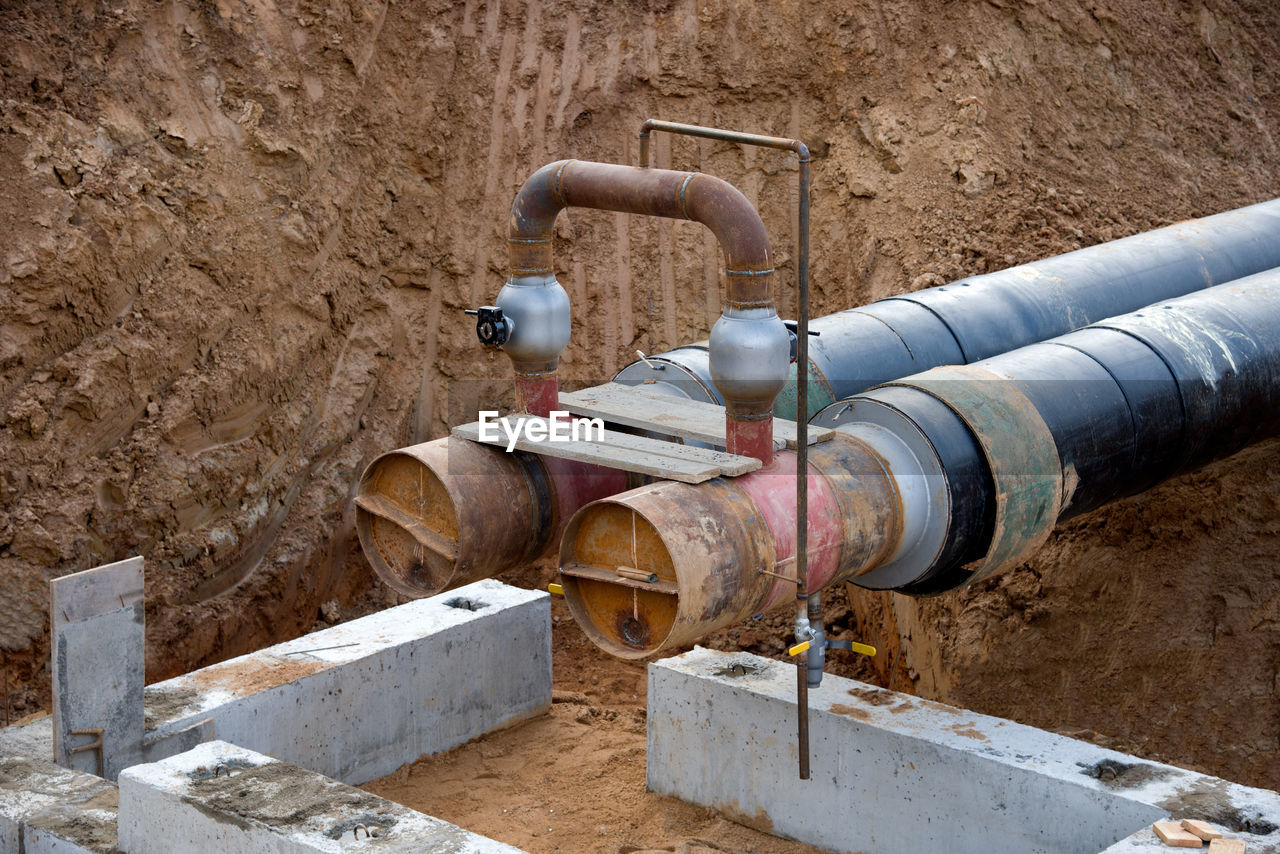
737,226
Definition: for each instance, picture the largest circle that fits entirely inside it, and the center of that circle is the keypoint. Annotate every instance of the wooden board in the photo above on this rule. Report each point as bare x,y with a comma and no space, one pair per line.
641,454
636,406
1226,846
1171,833
597,573
1202,829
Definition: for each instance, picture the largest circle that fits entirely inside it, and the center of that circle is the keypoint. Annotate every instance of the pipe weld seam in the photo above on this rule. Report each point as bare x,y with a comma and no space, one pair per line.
530,241
557,186
763,303
751,416
768,271
533,375
683,211
532,270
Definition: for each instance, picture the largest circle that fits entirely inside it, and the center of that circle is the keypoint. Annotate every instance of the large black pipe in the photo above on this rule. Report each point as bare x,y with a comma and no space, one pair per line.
1115,408
981,316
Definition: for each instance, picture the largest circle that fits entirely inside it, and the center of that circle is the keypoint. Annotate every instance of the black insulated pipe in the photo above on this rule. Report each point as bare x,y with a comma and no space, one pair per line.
982,316
1128,402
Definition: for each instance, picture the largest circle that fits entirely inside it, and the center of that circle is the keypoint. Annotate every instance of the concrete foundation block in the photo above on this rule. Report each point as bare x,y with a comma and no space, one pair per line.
894,774
357,701
219,797
47,809
97,631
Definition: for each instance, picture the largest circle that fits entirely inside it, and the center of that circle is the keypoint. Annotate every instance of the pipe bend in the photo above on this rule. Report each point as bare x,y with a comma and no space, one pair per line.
717,204
750,364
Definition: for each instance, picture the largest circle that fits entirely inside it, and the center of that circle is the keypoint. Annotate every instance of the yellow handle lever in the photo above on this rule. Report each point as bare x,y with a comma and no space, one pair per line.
558,590
864,648
799,648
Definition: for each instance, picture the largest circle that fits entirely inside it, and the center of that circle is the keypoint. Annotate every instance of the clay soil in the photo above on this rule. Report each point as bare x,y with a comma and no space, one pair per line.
236,238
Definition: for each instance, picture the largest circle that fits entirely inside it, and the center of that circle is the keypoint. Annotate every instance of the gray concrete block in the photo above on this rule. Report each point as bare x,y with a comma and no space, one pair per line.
32,740
224,798
47,808
357,701
97,626
894,774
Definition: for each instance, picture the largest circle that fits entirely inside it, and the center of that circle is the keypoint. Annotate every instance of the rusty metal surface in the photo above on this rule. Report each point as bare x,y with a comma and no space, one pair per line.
870,506
537,395
445,513
708,540
650,192
449,512
728,545
774,492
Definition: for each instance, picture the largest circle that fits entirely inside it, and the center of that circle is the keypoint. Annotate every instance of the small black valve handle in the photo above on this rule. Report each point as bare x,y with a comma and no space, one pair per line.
492,328
793,327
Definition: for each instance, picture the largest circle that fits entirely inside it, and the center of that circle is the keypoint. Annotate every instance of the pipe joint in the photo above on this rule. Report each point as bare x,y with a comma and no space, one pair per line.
750,357
536,308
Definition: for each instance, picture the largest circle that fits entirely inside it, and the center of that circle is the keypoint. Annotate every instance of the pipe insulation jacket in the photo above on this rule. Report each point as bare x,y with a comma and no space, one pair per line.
943,477
981,316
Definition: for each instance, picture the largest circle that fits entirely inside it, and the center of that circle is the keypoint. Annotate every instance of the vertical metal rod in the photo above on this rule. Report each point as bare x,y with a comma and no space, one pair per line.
802,711
808,606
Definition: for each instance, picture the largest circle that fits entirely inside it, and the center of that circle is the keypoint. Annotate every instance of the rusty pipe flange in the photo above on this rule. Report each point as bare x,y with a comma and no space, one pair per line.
664,564
448,512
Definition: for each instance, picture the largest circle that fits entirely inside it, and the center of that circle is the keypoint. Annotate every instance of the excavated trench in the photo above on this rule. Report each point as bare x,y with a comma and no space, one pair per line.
239,237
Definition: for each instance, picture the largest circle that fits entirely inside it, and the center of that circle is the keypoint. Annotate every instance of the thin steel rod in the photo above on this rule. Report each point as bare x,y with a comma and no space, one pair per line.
802,714
808,605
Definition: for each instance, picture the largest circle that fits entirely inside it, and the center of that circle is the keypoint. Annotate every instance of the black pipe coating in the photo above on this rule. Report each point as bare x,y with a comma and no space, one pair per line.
981,316
1130,401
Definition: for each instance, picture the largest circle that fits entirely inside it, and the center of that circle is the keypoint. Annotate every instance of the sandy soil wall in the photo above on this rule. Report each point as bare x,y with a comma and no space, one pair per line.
238,237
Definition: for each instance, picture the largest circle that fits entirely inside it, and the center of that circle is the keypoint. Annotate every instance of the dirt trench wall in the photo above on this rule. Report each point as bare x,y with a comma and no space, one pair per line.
238,237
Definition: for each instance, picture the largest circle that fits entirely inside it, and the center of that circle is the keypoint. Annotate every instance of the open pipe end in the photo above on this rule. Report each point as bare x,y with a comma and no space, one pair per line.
407,521
444,513
619,581
663,565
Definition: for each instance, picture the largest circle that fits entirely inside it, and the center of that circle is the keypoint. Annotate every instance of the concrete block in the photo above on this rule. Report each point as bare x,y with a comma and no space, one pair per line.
54,810
894,774
357,701
96,623
227,799
31,740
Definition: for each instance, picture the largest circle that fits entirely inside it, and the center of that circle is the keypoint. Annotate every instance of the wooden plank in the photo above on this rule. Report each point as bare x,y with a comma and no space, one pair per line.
729,464
1171,833
600,573
1202,829
662,414
602,454
1226,846
636,406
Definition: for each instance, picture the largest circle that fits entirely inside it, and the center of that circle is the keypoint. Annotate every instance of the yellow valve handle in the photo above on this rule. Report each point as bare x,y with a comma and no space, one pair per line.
558,590
854,646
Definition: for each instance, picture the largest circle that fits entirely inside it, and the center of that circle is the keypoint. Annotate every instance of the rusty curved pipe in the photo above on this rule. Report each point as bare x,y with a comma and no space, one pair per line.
753,358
